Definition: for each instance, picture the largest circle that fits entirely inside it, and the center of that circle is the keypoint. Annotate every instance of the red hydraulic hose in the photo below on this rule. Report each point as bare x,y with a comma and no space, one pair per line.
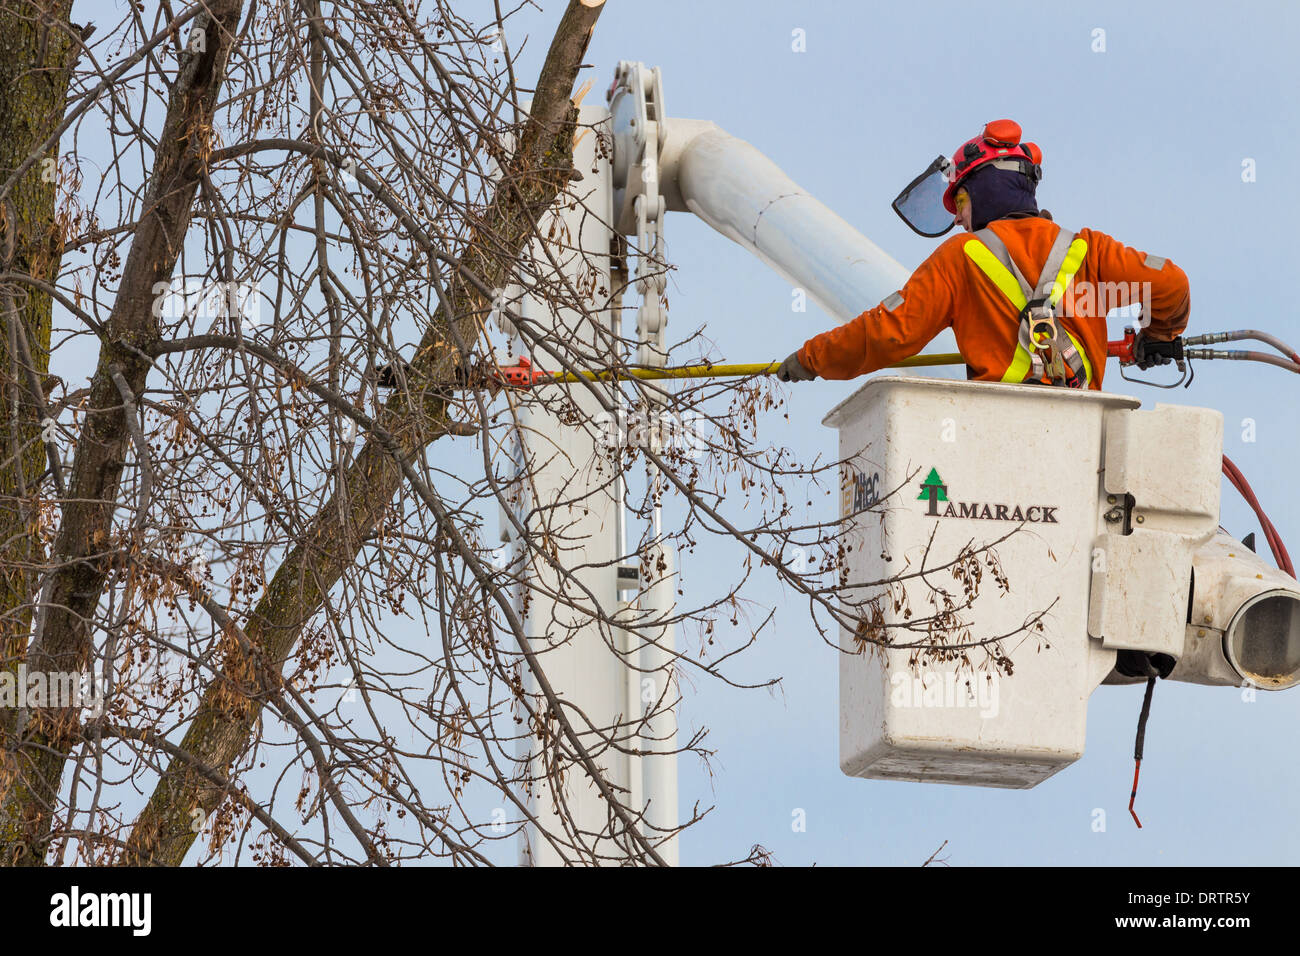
1239,482
1274,539
1271,535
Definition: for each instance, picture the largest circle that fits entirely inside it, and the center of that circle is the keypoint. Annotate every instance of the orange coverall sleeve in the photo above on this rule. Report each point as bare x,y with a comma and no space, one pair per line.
1170,296
891,331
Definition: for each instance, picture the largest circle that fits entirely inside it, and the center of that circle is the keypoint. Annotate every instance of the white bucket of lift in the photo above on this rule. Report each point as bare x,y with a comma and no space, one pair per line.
954,484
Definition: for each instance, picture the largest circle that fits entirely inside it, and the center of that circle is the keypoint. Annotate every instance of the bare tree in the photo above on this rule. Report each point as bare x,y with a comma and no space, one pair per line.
276,236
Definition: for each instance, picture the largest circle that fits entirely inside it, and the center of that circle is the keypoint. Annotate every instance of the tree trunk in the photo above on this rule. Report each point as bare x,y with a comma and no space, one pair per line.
84,542
37,52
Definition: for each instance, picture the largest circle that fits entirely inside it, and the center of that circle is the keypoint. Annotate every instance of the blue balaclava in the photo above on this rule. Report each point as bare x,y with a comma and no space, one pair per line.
999,194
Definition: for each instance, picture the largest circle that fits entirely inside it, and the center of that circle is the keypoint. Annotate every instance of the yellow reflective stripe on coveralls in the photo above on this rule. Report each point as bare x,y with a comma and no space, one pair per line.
983,257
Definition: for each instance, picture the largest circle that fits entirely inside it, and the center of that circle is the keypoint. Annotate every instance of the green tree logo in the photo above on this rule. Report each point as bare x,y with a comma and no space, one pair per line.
934,490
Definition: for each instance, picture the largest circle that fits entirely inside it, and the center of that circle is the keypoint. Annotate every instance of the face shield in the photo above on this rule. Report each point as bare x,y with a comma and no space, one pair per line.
920,205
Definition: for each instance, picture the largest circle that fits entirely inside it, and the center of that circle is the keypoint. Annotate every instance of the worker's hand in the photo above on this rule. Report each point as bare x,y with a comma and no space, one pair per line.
1148,352
792,370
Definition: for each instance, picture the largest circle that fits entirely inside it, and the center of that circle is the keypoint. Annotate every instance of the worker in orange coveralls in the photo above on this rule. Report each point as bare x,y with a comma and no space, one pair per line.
1026,299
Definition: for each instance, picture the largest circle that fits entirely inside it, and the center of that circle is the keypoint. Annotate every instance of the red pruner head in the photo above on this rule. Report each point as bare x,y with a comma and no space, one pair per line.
521,374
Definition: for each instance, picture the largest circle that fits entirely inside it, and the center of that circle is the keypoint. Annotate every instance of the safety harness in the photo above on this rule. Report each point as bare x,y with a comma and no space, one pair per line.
1045,351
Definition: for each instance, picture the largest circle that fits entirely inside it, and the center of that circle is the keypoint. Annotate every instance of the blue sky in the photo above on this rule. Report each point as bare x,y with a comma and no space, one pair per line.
1144,141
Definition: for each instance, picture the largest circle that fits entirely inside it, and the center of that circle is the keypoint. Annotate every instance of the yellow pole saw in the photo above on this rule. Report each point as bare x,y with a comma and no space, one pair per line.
523,375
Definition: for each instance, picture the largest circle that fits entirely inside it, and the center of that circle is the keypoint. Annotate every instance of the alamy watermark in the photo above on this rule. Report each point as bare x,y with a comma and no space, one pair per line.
946,690
660,430
24,689
239,302
87,908
1132,299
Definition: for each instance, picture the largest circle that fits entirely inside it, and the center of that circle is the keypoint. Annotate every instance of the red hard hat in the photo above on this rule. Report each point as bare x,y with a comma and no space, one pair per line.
999,139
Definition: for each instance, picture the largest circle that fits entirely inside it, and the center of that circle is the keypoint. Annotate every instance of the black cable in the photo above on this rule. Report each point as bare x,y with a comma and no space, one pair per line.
1138,745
